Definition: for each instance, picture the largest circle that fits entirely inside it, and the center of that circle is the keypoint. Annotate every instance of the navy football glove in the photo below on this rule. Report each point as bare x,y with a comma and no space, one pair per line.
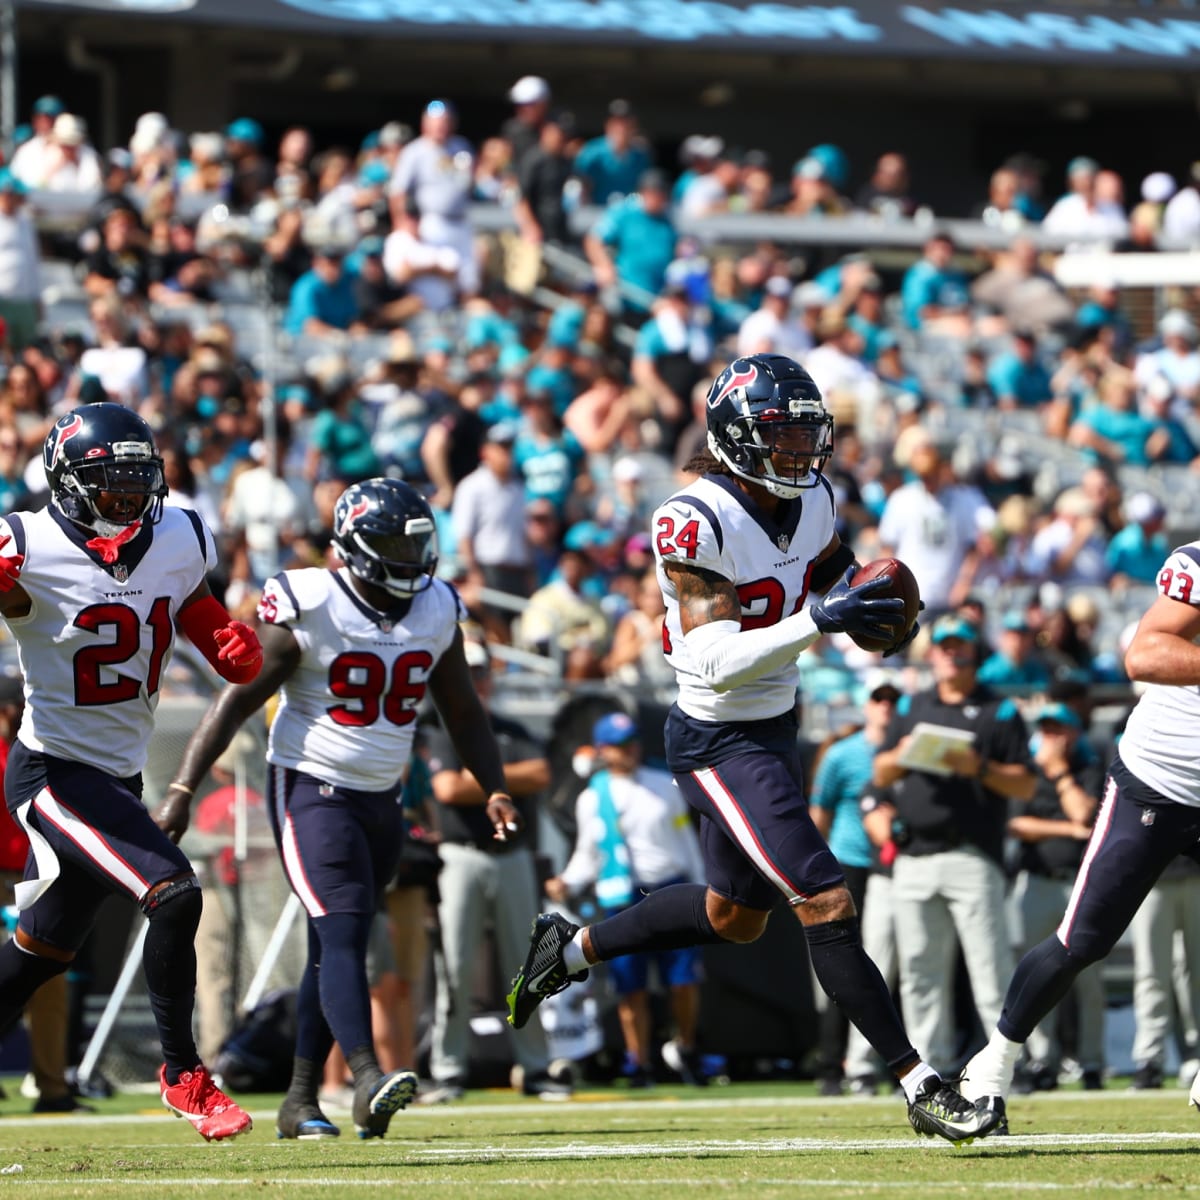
846,609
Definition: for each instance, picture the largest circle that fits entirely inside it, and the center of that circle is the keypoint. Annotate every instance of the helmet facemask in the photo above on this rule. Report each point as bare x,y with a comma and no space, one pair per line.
400,563
783,450
110,495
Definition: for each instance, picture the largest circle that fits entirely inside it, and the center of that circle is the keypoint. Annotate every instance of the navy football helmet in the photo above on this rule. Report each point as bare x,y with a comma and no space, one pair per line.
103,470
386,535
768,424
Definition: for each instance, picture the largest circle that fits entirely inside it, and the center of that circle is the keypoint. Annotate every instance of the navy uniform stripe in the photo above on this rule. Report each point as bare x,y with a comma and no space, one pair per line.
198,530
18,529
286,589
708,514
1186,551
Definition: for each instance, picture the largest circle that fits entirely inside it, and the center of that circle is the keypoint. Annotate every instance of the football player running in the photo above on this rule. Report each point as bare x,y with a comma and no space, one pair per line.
1149,814
92,588
352,652
752,573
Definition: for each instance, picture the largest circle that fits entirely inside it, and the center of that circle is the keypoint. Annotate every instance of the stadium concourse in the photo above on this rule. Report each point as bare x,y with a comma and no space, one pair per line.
528,325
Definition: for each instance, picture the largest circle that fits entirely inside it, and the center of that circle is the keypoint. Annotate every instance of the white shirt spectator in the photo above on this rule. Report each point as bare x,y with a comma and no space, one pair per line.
120,369
1088,566
426,270
31,160
20,276
1181,217
489,513
1075,217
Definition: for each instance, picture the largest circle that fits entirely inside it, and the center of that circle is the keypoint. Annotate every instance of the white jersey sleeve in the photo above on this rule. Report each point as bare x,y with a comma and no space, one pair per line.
1159,742
688,532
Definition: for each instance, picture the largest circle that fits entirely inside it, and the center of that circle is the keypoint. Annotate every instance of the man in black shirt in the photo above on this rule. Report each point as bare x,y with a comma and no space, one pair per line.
1052,832
948,879
484,882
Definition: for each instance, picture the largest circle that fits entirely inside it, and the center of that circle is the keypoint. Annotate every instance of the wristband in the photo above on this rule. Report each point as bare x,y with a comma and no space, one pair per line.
181,787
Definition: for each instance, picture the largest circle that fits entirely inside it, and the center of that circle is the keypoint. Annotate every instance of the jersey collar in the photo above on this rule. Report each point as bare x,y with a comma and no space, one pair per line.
387,621
131,554
780,525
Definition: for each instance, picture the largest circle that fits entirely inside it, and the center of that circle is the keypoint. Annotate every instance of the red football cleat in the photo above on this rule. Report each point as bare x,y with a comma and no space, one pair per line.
196,1097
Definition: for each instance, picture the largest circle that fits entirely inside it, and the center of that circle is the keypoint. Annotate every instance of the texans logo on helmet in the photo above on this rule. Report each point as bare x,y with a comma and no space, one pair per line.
68,431
354,511
736,380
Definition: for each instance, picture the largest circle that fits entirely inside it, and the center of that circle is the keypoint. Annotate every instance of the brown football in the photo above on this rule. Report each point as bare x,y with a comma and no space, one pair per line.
903,584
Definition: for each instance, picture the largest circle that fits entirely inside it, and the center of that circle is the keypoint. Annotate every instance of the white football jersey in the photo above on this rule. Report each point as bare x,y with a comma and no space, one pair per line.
1159,742
348,712
713,524
98,638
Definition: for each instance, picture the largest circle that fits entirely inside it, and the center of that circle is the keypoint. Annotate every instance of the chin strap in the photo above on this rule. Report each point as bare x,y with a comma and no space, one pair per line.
110,548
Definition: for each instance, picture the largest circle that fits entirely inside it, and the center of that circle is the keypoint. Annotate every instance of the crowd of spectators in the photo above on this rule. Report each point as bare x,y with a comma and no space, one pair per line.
291,318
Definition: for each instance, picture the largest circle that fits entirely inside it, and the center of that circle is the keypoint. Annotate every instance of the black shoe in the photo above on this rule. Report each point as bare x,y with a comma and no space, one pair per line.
1044,1078
862,1085
994,1104
91,1087
303,1120
687,1064
60,1104
1093,1080
829,1087
545,1087
1148,1075
376,1103
940,1110
638,1079
544,973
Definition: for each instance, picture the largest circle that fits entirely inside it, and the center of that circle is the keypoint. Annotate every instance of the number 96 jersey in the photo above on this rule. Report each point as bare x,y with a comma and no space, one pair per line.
347,713
713,525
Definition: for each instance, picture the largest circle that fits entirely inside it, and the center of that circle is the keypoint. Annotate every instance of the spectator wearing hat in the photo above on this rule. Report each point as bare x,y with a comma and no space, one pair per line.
948,879
20,263
886,193
813,191
1052,832
842,769
773,328
1015,666
633,837
611,166
933,288
932,524
70,164
1083,215
1137,551
1071,548
1177,359
716,184
252,172
633,243
488,513
435,172
323,303
29,160
530,97
383,303
206,172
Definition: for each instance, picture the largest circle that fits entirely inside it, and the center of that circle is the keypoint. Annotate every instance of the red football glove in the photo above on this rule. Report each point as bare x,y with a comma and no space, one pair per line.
10,567
240,657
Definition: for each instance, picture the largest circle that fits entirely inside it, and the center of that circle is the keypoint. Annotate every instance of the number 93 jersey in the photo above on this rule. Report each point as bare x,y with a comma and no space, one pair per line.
97,638
712,524
1159,742
347,713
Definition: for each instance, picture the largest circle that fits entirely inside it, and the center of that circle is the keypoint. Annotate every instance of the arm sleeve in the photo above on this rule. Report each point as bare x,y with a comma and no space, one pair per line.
728,656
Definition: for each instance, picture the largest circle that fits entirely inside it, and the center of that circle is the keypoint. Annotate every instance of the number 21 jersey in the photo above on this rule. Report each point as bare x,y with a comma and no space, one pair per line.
97,638
347,714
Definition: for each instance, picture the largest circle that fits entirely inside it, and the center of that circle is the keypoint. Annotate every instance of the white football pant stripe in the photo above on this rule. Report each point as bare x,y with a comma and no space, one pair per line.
744,835
293,867
1103,822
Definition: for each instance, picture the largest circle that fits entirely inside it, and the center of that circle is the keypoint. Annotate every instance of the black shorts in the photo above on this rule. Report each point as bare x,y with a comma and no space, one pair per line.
97,829
1136,835
756,833
339,846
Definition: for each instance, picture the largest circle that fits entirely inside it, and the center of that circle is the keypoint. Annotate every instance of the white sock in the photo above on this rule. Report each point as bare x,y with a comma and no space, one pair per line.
990,1072
911,1083
573,955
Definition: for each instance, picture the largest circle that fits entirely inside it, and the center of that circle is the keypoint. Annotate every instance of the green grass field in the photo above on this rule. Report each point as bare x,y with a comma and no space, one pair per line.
753,1140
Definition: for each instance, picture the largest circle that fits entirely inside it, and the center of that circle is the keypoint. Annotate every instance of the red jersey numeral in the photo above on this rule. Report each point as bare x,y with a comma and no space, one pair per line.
1176,584
359,678
124,630
674,543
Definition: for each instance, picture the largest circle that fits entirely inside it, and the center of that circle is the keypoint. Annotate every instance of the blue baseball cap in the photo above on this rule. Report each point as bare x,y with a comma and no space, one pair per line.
245,129
441,108
951,625
48,106
374,174
1060,714
10,183
614,730
1016,622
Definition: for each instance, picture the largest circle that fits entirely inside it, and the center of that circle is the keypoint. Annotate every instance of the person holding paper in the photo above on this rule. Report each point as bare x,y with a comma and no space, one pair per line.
948,879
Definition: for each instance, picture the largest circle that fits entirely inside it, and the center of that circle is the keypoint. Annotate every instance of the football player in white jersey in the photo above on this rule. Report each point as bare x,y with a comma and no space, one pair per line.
352,652
92,588
752,573
1149,814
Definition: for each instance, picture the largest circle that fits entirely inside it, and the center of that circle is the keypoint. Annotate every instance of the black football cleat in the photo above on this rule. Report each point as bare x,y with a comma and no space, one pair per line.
544,973
940,1111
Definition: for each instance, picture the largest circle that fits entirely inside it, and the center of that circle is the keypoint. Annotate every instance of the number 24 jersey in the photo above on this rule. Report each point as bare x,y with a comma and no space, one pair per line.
712,524
347,714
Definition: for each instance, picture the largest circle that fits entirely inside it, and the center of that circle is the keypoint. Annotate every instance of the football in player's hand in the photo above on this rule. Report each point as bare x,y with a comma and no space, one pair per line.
903,584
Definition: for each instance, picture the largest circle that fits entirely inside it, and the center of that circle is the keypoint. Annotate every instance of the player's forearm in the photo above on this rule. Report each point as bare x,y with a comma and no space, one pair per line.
727,656
225,716
1165,658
